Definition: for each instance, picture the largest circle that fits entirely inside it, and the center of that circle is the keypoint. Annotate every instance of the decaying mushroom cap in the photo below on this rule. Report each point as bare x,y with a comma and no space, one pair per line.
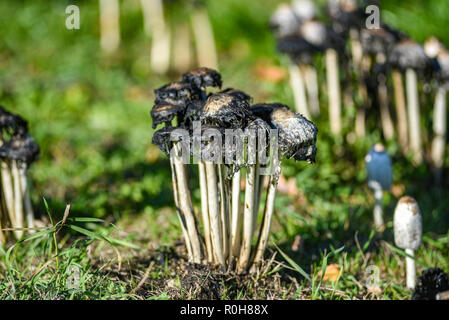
12,124
376,41
237,94
284,22
378,167
202,77
430,283
304,9
297,135
225,111
298,49
164,112
409,54
436,51
345,14
20,148
175,93
162,138
407,224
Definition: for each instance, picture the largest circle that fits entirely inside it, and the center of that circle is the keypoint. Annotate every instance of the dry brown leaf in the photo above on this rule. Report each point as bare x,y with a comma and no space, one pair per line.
331,274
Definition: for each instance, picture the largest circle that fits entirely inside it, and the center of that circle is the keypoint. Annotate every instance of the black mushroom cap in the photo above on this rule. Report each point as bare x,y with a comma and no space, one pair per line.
202,77
165,112
12,124
345,14
298,49
175,93
162,138
376,41
20,148
237,94
297,135
430,283
225,111
409,54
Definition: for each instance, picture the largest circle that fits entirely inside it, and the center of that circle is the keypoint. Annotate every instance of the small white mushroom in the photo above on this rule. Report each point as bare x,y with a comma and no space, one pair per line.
380,178
408,233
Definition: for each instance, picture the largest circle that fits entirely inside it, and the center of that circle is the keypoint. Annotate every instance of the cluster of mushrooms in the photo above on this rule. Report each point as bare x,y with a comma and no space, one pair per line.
360,64
170,49
232,141
17,152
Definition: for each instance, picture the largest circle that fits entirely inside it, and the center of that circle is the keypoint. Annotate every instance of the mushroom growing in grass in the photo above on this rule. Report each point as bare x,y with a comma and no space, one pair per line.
408,233
229,227
296,139
409,57
380,178
435,50
18,150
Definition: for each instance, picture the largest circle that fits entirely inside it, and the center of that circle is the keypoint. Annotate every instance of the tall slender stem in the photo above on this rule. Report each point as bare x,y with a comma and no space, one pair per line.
311,81
299,91
378,209
110,25
401,109
439,130
413,116
18,201
387,123
236,223
25,193
214,213
333,86
204,39
205,210
411,269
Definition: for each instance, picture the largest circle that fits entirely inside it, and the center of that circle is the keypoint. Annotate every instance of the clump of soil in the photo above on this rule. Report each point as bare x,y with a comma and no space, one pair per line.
166,272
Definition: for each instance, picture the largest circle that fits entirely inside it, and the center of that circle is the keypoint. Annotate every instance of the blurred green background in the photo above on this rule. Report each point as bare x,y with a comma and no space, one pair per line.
89,112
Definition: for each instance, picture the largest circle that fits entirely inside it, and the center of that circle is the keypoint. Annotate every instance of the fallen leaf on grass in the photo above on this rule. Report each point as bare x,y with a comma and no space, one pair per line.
331,274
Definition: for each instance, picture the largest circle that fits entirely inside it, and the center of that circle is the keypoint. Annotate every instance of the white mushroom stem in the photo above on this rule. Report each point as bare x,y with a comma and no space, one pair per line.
268,216
8,193
413,116
159,32
18,201
204,39
387,123
110,25
443,295
179,212
439,129
248,218
214,213
224,210
333,87
378,206
185,204
311,80
182,53
401,109
236,220
299,91
25,194
411,268
205,210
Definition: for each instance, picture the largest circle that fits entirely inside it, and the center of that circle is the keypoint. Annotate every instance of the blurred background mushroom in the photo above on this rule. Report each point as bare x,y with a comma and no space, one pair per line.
17,152
408,233
109,25
380,179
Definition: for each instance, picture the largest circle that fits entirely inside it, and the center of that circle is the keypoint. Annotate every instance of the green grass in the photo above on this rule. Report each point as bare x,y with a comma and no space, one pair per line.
90,115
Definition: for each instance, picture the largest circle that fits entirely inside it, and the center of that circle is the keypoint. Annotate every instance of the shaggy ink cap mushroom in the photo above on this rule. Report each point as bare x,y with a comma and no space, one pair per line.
284,22
20,148
225,111
345,14
407,224
430,283
375,41
202,78
379,167
162,139
304,10
237,94
297,135
175,93
12,124
408,54
440,56
165,113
